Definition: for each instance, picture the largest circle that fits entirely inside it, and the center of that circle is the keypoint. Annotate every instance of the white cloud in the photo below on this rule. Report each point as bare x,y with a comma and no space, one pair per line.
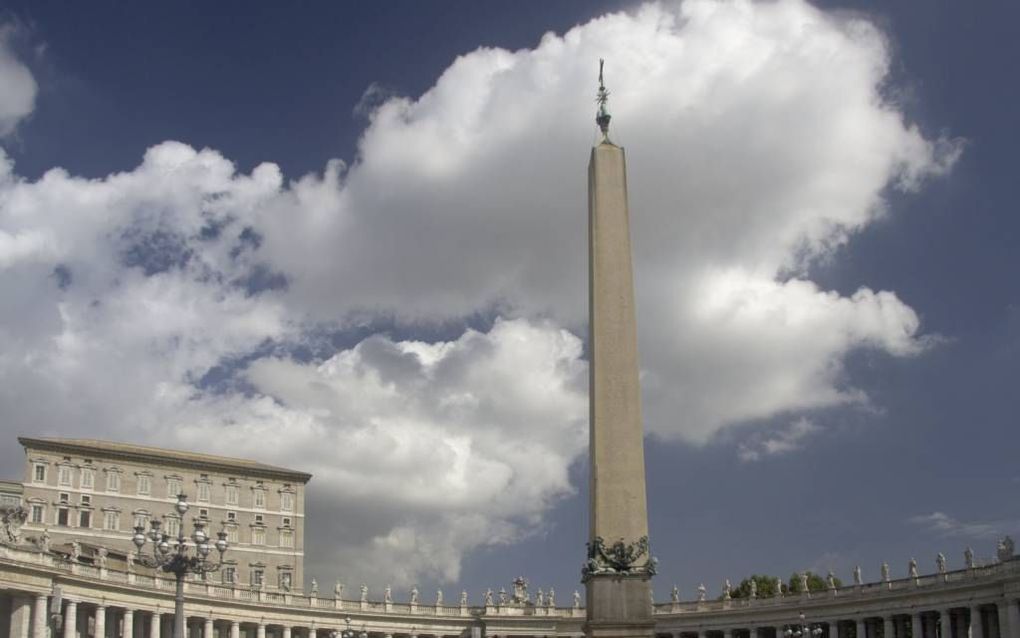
17,86
759,141
945,525
784,441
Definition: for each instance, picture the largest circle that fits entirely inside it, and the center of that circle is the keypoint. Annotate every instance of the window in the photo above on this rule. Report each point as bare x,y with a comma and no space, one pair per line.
141,519
144,484
39,473
62,517
64,475
232,535
111,520
173,486
38,513
231,495
172,526
10,500
86,500
286,538
203,513
287,501
65,497
229,575
260,498
256,577
88,478
259,519
231,516
286,521
203,492
113,481
258,536
85,518
285,579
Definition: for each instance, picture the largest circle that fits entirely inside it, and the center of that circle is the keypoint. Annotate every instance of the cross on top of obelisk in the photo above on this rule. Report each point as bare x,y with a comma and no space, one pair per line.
602,99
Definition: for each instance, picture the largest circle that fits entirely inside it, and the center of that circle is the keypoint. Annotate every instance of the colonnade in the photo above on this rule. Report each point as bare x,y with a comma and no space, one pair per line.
987,619
30,617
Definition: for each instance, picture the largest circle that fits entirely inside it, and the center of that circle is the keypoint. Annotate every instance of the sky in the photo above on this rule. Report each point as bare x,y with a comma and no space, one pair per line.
350,240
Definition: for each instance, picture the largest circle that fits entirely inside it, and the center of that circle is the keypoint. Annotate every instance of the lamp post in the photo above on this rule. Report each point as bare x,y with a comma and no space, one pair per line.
803,630
346,633
175,559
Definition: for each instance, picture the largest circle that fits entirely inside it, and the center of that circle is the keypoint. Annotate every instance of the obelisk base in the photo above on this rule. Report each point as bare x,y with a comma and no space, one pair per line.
619,606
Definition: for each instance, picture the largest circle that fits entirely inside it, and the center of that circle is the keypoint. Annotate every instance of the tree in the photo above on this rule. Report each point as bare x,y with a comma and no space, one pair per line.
814,581
766,587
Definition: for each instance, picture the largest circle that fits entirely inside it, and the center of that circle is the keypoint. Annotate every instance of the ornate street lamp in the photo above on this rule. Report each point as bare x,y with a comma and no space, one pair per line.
802,630
175,559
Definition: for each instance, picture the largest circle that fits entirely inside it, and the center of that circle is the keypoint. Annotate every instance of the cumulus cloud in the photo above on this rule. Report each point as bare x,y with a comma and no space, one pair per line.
17,85
166,303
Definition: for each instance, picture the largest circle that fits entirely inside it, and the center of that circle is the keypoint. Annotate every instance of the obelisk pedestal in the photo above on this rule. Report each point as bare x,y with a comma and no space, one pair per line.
619,566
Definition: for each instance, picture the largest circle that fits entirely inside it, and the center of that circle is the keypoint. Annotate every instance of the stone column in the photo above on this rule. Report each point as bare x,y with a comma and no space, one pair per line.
977,629
1005,631
40,617
888,628
100,621
727,633
71,619
261,632
207,632
1013,616
155,620
862,628
833,628
21,616
235,629
945,624
752,633
128,630
916,626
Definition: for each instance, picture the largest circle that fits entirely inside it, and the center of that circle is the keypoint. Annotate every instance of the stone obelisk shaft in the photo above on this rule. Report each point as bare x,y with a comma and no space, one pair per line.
618,603
618,508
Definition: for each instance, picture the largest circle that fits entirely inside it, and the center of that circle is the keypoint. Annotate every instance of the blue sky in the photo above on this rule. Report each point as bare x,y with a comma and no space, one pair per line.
824,247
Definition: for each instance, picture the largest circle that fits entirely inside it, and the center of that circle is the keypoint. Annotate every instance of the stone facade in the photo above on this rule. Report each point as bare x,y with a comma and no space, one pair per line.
90,494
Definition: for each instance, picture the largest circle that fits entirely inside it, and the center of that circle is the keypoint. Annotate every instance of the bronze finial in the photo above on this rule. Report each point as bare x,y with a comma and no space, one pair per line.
602,99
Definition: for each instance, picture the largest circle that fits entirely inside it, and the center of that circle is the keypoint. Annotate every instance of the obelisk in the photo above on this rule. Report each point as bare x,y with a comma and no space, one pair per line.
619,565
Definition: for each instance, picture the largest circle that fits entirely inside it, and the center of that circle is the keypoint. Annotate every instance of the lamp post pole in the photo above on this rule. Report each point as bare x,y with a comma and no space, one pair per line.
178,562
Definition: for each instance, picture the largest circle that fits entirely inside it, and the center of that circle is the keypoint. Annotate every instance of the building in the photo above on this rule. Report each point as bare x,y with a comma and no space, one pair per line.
10,493
96,492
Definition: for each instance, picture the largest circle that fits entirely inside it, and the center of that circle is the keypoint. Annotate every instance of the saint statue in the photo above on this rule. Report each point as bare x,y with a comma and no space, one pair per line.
388,594
754,588
414,595
364,593
675,594
726,589
338,590
101,555
832,581
463,598
551,598
701,593
912,567
540,598
577,600
315,588
968,558
940,563
857,576
885,572
439,598
488,597
803,583
779,587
